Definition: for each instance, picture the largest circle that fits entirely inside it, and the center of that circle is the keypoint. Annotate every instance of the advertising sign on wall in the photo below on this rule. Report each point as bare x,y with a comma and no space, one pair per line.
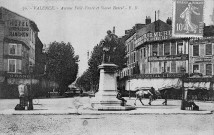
188,18
18,28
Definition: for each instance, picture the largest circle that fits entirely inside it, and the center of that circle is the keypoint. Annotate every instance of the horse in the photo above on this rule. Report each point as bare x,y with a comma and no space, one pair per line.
152,93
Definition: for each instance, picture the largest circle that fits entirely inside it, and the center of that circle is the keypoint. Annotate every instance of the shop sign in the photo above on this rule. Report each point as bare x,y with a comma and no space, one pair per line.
18,28
168,58
164,75
188,18
203,59
156,36
21,76
197,79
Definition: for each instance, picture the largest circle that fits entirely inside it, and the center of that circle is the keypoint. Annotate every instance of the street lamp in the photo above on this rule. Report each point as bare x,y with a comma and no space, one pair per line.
30,97
183,70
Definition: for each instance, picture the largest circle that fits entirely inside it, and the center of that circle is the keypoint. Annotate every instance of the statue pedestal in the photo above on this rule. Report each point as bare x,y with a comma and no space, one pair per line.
105,99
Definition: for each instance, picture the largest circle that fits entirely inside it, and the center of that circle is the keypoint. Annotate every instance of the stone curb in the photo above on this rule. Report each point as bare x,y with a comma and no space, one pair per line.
94,112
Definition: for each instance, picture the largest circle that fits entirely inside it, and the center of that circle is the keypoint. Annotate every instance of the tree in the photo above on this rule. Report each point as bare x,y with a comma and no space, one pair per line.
84,82
62,64
94,62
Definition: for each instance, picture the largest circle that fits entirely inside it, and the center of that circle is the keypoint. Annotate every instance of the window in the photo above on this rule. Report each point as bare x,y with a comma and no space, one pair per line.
154,50
195,50
209,49
144,52
14,66
166,48
208,69
15,49
195,68
180,48
12,49
11,65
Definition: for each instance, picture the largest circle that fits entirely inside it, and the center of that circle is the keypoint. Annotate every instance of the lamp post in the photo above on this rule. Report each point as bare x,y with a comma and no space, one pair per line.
183,70
30,98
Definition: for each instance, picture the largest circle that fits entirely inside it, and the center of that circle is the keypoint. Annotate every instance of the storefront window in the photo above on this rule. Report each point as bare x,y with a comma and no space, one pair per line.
209,49
195,50
208,69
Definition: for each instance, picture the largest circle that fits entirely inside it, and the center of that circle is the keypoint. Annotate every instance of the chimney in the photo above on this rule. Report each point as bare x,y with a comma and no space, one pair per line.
114,30
148,20
169,21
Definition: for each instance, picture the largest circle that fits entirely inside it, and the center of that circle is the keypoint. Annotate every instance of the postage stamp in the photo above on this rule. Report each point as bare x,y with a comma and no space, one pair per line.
188,18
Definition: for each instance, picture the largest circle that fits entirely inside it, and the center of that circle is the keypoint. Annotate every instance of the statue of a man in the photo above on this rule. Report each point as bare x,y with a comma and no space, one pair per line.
109,45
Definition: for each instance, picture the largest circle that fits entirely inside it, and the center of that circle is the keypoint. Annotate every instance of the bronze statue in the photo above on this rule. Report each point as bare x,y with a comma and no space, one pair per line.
109,45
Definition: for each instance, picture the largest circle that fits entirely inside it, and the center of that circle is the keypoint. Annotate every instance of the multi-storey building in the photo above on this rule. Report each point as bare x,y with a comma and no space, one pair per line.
156,59
17,47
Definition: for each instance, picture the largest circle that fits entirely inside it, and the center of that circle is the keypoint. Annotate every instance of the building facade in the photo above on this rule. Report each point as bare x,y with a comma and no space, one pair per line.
156,59
17,47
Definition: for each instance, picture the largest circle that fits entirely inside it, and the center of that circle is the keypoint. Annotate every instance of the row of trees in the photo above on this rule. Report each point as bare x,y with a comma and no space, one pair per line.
61,64
90,78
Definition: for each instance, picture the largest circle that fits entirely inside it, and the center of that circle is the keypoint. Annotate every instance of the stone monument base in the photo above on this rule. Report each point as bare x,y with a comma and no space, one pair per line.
105,99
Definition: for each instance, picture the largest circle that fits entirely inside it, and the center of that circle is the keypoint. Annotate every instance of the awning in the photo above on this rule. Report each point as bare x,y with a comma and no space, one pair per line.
157,84
197,85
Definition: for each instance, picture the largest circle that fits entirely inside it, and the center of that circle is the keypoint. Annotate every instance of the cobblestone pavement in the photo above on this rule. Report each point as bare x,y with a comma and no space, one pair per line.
107,124
149,124
84,102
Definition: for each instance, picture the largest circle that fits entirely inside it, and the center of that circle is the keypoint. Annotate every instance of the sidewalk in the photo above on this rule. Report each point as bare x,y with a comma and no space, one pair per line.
68,106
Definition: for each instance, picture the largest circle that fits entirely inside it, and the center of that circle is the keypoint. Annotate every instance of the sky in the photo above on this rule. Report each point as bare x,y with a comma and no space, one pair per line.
84,23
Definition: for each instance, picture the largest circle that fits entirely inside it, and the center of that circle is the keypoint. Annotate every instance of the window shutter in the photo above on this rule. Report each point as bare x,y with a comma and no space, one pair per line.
173,66
208,69
173,48
5,65
160,49
202,49
209,49
195,50
19,49
166,48
202,68
18,66
160,67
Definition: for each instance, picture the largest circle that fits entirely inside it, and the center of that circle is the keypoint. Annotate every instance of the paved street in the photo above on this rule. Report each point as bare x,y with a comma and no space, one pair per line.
151,124
108,124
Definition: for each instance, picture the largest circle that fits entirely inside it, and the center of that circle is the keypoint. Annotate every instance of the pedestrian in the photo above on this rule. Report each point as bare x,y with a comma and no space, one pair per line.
21,90
119,96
